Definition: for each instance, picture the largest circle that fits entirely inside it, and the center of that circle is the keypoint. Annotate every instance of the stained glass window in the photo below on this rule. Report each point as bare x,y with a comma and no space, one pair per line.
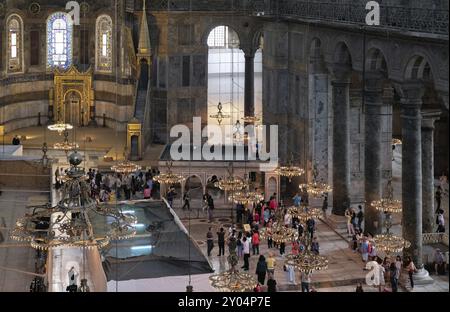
15,51
103,45
59,40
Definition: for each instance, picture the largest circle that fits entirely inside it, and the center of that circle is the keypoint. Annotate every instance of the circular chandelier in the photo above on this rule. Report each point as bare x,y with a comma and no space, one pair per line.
289,170
307,261
279,233
388,242
251,119
66,145
125,167
169,177
71,222
388,204
220,115
231,183
304,214
315,189
60,127
233,280
245,197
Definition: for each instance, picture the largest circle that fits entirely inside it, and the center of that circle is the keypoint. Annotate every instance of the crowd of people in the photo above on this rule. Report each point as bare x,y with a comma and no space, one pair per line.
266,214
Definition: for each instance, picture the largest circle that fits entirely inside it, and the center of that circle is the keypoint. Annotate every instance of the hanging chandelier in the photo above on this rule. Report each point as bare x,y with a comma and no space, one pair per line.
388,242
315,189
305,213
388,204
169,177
231,183
307,261
125,167
245,197
71,222
251,119
233,280
60,127
220,115
66,146
290,171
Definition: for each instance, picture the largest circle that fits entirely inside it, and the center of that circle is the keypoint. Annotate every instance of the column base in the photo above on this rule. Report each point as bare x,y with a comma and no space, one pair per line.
422,277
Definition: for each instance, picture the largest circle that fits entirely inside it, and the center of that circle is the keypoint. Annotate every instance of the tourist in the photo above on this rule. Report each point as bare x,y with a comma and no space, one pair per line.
393,271
282,248
305,278
16,140
365,249
372,249
269,235
73,275
311,225
210,241
325,206
382,273
353,220
171,196
261,269
359,288
271,285
240,247
440,221
439,262
266,215
186,199
221,242
287,219
315,246
84,287
349,216
386,264
256,217
210,202
297,200
246,250
271,263
273,204
290,274
239,212
231,230
438,197
360,217
255,242
257,288
411,268
147,192
399,266
295,249
300,230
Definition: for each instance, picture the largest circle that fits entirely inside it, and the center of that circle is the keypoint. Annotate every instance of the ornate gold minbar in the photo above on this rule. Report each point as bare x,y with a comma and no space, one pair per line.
134,139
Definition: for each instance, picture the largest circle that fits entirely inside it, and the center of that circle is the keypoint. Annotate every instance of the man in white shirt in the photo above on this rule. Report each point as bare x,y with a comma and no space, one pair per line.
246,251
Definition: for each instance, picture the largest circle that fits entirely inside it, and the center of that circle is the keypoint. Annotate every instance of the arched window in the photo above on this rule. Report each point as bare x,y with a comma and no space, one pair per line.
59,40
103,45
15,44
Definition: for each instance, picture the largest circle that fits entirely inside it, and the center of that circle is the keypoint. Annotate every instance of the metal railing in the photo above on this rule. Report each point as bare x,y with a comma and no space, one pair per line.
435,238
422,20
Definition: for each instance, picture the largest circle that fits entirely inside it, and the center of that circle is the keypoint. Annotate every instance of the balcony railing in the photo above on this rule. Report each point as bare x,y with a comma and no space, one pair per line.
422,20
435,238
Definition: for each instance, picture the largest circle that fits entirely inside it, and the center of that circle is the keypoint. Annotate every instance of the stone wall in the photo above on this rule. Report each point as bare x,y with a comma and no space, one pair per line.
24,175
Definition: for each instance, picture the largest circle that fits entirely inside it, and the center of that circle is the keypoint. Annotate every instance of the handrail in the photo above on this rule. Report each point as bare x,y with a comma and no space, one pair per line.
422,20
435,238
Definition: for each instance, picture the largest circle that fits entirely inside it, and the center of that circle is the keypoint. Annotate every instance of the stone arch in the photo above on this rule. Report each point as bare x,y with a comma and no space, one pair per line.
211,27
376,61
342,54
315,48
257,38
15,64
419,68
195,188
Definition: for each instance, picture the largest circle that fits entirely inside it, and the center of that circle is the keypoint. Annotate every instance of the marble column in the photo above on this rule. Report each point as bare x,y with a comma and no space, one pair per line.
249,88
373,128
411,102
341,139
428,219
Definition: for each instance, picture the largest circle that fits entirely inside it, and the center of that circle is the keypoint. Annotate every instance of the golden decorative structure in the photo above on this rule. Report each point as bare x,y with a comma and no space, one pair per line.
305,213
251,119
307,261
134,133
169,177
289,170
315,189
220,115
70,222
388,242
278,231
125,167
66,83
66,145
60,127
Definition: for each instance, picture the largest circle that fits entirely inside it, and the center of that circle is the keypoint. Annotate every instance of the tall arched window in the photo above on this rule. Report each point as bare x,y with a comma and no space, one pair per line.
59,40
15,44
103,44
